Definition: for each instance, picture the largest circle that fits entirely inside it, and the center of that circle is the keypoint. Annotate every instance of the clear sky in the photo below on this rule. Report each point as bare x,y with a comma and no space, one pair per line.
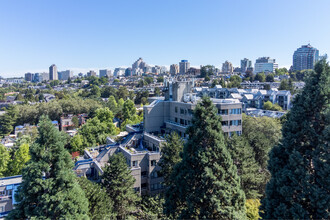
82,35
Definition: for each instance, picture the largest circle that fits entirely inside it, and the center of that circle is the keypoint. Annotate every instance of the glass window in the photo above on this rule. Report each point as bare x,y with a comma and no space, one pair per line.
135,163
153,163
181,111
176,109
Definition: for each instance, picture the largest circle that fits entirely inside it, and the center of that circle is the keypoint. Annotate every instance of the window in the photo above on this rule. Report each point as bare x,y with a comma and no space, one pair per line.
153,163
235,122
176,120
135,163
224,123
144,174
144,185
181,121
181,111
189,111
236,111
223,111
154,174
239,133
176,109
137,189
2,208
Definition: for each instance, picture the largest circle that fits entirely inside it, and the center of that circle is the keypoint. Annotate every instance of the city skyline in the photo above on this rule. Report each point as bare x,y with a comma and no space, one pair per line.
89,36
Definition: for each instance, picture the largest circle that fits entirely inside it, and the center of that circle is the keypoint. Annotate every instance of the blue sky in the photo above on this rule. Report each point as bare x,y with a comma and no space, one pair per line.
83,35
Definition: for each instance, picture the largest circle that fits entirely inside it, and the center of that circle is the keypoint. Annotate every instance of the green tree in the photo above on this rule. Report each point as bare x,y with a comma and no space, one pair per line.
234,82
128,109
262,133
300,164
247,167
21,157
95,91
8,120
4,160
206,184
75,121
49,188
151,208
270,78
268,105
122,93
171,150
119,182
160,79
260,77
100,204
112,104
77,143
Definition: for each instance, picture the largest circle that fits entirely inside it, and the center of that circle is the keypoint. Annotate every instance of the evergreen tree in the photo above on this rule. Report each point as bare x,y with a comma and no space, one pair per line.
8,120
247,167
4,160
100,205
205,183
119,182
151,208
300,164
170,156
49,189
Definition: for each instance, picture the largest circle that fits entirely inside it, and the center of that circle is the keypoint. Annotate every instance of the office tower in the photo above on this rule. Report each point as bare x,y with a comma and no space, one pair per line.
128,72
29,77
184,66
65,75
105,73
174,69
53,72
245,64
119,72
91,73
265,64
139,64
227,67
40,77
305,57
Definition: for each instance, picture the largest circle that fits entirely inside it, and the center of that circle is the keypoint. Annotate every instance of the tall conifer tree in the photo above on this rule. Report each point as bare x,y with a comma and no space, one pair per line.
300,164
119,182
206,184
49,189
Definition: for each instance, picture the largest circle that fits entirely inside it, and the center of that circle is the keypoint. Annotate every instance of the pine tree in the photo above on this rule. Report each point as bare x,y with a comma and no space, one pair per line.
300,164
100,204
151,208
119,182
170,156
248,169
49,188
206,184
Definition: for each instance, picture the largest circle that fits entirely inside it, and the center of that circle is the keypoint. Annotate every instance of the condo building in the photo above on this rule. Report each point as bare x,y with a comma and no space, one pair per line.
305,57
176,111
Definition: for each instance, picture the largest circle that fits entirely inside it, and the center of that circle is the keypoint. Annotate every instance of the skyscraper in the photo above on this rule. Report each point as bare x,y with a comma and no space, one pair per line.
29,77
65,75
174,69
91,73
245,64
227,67
104,73
184,66
305,57
265,64
53,72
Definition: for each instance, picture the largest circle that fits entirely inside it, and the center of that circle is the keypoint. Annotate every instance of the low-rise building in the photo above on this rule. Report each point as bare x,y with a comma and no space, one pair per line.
8,187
